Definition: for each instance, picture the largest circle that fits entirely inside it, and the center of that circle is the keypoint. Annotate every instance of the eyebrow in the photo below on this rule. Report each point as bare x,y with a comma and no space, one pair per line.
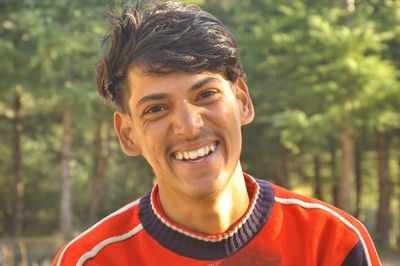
202,82
158,96
155,96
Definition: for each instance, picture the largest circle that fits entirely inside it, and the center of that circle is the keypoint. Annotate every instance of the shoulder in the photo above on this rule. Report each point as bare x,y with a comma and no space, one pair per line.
118,226
326,224
306,207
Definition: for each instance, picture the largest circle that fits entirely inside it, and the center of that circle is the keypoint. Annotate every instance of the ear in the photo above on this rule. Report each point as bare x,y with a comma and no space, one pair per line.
123,126
245,104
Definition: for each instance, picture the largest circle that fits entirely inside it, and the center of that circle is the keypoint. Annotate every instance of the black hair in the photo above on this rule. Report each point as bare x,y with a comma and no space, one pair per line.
171,37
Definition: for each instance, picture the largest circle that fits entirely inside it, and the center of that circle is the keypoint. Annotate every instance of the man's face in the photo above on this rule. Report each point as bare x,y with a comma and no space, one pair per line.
188,127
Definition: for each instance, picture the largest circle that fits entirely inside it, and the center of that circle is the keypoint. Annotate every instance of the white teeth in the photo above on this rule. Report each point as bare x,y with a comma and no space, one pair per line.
186,155
195,154
207,150
200,152
179,156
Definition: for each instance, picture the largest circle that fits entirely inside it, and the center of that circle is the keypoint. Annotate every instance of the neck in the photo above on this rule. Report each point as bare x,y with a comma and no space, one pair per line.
210,215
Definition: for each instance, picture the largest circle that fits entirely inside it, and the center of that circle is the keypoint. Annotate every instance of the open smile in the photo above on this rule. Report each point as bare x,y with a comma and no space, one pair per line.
195,154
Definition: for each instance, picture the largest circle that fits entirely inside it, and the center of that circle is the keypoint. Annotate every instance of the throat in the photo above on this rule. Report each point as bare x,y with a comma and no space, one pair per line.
213,219
212,215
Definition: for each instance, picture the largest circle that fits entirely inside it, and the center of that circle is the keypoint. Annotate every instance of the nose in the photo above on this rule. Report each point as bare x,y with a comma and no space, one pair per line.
187,120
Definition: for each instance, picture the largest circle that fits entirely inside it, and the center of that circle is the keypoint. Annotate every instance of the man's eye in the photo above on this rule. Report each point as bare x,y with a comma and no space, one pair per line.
155,109
206,94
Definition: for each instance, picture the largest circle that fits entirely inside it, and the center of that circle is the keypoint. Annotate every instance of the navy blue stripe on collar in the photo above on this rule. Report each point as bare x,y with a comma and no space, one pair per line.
193,245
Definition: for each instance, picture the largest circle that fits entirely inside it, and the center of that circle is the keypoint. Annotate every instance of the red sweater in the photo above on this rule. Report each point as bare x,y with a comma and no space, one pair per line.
279,228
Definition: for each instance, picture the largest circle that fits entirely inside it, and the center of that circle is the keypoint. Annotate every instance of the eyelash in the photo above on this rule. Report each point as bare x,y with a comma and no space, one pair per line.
208,93
151,109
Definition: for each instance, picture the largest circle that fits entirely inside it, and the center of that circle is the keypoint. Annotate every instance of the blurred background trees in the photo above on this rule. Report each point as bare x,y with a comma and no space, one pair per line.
323,75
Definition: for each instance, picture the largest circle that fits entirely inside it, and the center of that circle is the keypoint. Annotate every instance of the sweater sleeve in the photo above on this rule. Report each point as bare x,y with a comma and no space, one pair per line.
356,256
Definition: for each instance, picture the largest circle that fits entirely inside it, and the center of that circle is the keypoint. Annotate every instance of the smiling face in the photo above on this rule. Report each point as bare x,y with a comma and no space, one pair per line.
188,127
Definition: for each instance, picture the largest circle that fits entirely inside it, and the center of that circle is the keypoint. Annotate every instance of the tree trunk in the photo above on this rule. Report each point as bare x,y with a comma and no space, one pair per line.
334,176
66,200
282,169
346,179
317,175
98,173
18,183
382,219
358,158
397,238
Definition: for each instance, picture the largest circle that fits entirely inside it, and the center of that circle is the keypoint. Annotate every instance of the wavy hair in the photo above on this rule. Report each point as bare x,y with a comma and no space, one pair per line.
172,37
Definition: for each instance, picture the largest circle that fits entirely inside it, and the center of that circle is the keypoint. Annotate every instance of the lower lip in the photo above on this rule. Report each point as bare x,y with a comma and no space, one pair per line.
200,162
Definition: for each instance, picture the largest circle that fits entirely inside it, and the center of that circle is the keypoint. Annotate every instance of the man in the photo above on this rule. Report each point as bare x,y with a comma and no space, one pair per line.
175,73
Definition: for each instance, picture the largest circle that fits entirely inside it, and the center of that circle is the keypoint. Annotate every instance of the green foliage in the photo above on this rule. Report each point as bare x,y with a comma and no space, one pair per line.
50,50
310,66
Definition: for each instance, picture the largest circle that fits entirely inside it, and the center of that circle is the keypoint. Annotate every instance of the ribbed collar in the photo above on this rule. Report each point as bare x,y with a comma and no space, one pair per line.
208,247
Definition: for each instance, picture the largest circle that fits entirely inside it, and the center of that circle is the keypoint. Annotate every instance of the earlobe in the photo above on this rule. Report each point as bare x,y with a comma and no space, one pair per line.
246,105
123,127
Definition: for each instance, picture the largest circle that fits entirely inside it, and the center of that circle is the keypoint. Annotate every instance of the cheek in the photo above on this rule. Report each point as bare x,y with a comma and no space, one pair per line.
226,117
154,141
154,155
227,111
